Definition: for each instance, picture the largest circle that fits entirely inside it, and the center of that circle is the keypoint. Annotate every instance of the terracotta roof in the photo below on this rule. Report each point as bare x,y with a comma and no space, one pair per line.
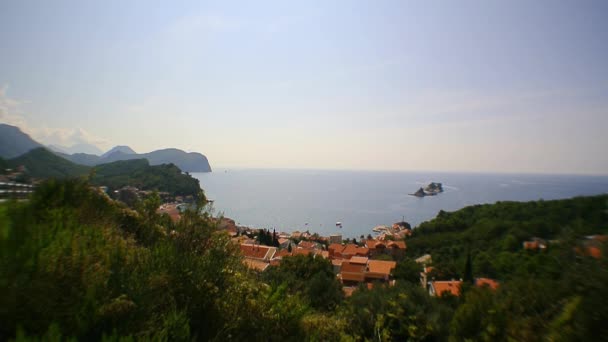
350,267
282,241
301,251
441,287
307,245
350,249
594,251
258,251
324,254
486,282
352,276
335,247
358,260
373,244
381,266
336,262
531,244
256,264
282,253
397,244
362,251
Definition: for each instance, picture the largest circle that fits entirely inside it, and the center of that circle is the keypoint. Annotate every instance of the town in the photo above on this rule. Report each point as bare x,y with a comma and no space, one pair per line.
369,261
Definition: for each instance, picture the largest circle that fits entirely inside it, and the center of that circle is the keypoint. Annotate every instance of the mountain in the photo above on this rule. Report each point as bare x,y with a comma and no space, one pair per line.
189,162
81,158
122,149
13,142
42,163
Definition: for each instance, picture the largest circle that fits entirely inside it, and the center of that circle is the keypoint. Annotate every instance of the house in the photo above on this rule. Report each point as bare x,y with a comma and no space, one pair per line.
335,250
535,244
486,282
376,247
360,269
352,273
307,245
379,269
258,252
440,288
592,246
283,242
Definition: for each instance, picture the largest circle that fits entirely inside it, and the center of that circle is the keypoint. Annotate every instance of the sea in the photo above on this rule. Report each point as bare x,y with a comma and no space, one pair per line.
315,200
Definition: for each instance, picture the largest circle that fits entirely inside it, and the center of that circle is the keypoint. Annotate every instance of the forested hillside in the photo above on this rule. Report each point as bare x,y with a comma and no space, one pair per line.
139,173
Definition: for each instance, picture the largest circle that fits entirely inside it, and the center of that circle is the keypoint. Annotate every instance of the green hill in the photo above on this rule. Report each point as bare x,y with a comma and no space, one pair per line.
42,163
139,173
494,233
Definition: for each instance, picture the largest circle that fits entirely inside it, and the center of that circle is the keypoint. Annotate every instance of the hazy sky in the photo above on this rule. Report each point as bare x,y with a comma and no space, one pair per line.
508,86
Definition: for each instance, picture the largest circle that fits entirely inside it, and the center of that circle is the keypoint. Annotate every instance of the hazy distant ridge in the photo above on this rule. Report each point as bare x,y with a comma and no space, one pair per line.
14,143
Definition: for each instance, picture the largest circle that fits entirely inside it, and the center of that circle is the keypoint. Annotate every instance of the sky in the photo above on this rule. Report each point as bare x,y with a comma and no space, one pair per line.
482,86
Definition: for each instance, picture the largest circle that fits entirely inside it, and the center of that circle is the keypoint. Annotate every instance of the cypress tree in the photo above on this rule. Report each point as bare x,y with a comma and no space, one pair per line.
468,269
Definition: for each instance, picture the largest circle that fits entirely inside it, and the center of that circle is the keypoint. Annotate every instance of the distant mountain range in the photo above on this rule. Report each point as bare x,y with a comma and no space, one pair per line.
14,143
78,148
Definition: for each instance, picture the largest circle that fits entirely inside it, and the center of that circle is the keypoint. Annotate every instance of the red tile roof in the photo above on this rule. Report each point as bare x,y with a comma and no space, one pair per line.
336,247
380,268
451,287
358,260
257,251
486,282
255,264
373,244
301,251
397,244
350,249
307,245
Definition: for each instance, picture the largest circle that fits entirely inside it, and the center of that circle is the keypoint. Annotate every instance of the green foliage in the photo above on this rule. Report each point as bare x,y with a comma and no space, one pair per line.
408,270
309,277
74,263
403,312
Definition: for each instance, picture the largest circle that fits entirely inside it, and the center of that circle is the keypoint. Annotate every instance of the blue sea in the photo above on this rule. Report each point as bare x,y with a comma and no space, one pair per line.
315,200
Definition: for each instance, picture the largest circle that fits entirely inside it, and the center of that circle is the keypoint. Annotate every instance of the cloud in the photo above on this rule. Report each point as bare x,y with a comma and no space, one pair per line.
9,109
11,113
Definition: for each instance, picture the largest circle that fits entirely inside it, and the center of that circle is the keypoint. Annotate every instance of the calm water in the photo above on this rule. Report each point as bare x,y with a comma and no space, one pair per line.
288,199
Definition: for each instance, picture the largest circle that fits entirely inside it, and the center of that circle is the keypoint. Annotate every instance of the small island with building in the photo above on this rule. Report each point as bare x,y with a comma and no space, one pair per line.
430,190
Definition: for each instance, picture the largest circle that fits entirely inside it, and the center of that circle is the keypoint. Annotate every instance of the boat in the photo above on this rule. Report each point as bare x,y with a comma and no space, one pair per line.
339,224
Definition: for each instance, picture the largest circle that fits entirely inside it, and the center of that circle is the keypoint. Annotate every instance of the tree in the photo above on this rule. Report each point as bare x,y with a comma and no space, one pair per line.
408,270
468,270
